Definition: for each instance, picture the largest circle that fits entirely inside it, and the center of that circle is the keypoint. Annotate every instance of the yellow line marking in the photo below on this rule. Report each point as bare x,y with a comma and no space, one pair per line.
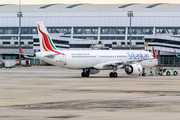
170,95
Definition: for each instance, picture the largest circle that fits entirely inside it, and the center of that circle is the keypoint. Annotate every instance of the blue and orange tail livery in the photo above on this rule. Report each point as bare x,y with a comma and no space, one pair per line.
176,53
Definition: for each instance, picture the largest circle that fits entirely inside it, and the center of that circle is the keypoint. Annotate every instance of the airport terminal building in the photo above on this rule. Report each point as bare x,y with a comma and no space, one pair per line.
158,24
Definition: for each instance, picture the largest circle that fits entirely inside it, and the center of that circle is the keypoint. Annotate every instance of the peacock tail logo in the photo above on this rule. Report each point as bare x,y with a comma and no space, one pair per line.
47,43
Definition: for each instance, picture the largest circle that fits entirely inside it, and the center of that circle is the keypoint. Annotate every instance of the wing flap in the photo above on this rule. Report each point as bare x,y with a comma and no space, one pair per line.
112,63
117,63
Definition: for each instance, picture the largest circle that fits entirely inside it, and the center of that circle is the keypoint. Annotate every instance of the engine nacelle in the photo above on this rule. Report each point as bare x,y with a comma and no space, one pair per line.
134,69
94,71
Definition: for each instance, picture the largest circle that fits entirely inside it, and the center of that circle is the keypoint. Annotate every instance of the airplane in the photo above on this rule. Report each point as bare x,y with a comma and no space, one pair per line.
30,56
176,54
133,62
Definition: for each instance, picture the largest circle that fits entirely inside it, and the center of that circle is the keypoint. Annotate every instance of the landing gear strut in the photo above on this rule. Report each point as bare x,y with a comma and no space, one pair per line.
143,74
85,73
113,74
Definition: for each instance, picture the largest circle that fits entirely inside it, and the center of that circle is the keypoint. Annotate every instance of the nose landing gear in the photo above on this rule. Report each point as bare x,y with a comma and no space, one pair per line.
143,74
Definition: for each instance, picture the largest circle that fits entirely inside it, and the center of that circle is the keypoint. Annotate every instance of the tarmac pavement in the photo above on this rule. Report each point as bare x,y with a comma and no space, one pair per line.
54,93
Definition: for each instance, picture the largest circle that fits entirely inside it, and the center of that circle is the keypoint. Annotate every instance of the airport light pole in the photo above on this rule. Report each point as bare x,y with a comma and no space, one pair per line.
130,14
19,15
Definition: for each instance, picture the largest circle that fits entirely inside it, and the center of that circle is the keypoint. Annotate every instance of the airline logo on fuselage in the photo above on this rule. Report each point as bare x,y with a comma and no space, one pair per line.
137,56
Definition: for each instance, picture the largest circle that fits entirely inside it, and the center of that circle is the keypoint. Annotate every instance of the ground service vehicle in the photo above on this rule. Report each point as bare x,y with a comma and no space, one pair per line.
166,71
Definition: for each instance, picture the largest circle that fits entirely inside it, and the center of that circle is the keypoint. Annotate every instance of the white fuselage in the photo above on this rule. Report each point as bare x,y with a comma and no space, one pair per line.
82,59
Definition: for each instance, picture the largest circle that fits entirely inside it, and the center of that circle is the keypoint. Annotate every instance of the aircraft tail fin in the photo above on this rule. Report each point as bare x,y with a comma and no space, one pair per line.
46,43
154,54
22,51
176,53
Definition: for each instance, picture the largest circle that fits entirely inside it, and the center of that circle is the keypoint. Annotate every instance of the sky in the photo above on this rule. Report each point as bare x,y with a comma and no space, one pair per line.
87,1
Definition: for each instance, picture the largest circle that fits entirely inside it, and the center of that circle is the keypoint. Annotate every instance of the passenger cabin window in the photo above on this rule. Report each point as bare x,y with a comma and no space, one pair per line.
83,56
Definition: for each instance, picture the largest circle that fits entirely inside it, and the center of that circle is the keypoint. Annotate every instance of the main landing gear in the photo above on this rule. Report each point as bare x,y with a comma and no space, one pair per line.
113,74
143,73
85,73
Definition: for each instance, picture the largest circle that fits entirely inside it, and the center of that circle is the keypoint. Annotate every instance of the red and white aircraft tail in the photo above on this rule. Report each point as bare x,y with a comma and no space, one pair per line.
22,52
30,56
46,43
154,54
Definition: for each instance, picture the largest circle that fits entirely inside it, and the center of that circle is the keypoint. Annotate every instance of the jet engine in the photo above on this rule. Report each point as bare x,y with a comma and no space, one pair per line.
134,69
94,71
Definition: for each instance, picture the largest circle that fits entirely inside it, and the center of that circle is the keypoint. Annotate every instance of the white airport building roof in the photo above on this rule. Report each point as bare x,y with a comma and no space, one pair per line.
135,7
108,23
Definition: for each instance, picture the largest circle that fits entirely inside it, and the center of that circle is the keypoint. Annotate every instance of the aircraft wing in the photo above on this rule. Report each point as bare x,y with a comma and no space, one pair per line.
136,61
117,63
108,64
112,63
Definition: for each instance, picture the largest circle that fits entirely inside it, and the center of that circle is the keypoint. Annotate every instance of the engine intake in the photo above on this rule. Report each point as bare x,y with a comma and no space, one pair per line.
134,69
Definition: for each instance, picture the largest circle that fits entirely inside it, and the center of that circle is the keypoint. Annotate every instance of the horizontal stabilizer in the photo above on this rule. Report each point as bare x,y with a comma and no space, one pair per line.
50,54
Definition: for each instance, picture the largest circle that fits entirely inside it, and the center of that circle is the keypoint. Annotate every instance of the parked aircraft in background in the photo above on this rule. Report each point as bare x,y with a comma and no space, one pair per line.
92,61
30,56
176,53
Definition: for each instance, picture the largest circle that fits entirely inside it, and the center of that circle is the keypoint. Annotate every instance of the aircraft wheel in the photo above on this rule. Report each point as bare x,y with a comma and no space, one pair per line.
143,74
87,74
115,74
111,74
83,74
